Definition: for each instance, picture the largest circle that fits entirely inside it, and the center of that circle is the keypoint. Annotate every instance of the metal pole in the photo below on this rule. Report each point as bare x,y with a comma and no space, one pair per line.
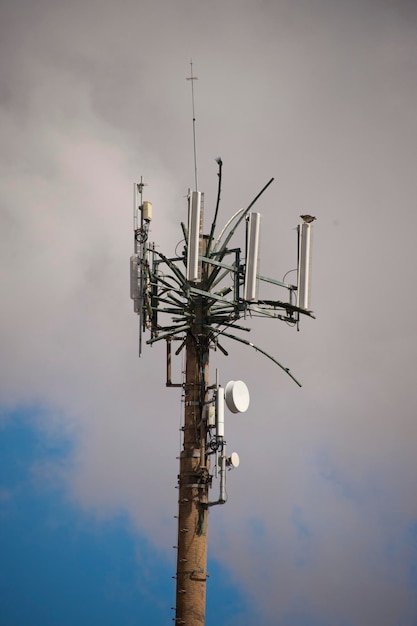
193,480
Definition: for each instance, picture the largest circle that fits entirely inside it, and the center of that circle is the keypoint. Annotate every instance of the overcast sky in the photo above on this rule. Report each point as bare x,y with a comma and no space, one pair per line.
321,523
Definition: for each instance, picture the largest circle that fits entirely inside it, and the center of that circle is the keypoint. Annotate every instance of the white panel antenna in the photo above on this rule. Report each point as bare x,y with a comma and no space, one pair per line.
193,249
134,282
250,293
304,266
220,412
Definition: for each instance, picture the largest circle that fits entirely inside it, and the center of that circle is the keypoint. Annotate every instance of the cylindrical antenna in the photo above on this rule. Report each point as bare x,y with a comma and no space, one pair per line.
192,78
219,412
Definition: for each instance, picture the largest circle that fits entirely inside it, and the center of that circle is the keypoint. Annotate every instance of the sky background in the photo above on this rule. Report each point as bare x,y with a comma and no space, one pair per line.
321,523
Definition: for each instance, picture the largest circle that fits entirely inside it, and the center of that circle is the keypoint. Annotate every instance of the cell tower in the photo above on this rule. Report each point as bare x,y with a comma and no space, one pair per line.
196,300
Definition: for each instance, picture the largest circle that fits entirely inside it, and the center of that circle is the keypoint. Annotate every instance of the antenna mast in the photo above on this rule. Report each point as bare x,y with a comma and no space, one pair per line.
199,306
192,78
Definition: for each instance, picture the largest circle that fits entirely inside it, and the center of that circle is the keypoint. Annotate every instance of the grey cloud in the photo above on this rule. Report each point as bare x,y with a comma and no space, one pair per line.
323,97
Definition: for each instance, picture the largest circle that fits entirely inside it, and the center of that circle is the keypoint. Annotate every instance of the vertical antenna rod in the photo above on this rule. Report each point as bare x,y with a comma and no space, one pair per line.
141,299
192,78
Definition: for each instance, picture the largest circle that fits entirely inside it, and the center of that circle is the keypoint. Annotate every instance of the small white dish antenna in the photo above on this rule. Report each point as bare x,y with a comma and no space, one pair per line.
233,460
237,396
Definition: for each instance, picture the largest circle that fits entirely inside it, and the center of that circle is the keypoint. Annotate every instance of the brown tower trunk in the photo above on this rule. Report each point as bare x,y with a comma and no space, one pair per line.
193,492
